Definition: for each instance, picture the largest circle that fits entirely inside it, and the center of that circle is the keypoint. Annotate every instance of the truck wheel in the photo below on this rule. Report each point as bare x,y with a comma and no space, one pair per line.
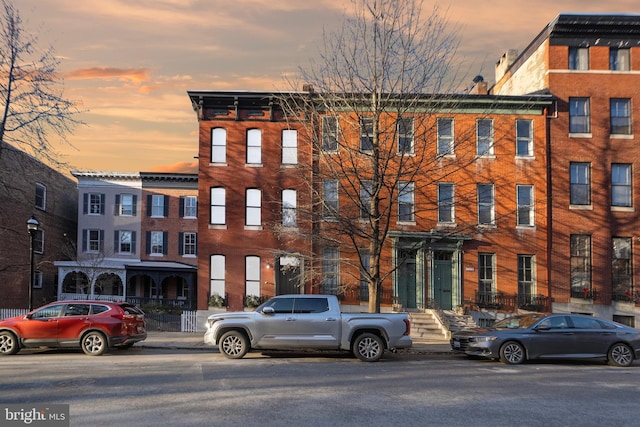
234,345
368,347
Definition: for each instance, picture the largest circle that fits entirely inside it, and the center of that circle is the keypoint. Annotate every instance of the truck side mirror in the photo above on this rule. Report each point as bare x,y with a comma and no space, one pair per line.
268,310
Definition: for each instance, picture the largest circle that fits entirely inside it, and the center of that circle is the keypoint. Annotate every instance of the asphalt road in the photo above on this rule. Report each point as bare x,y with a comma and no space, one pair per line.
155,387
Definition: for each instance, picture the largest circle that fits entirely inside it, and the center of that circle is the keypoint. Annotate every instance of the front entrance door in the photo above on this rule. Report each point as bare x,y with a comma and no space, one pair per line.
288,277
407,278
442,278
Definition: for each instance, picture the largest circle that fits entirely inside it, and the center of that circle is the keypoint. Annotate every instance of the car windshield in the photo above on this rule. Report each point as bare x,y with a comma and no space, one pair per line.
516,322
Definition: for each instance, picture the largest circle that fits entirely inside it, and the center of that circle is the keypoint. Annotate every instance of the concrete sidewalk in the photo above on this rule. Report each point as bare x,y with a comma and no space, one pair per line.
195,341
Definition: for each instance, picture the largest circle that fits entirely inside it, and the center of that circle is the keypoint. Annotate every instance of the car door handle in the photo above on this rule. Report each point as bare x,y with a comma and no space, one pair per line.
568,333
330,319
291,319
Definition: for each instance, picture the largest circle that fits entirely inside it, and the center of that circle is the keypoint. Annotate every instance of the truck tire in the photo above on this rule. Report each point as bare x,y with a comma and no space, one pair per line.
234,345
368,347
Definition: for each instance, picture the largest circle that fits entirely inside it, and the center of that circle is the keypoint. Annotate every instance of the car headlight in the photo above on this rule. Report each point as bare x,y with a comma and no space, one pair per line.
484,339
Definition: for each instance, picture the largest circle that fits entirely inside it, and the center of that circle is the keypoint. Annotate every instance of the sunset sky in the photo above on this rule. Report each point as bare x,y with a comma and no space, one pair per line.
130,63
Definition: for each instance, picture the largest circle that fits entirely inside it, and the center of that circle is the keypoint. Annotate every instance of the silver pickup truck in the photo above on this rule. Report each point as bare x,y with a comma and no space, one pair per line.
289,322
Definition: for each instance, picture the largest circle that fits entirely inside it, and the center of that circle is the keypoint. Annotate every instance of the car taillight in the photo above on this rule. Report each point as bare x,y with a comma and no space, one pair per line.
407,325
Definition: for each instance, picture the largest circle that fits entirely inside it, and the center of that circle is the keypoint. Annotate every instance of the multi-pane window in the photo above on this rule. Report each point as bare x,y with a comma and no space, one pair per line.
289,147
486,204
188,206
218,145
486,275
405,135
41,196
446,206
619,59
484,137
622,273
289,204
330,133
580,259
253,207
524,138
125,241
254,146
580,182
366,134
579,115
156,241
578,58
406,201
218,206
159,205
92,240
252,276
365,265
366,192
94,203
330,270
526,279
329,198
621,184
525,205
620,116
125,204
445,128
217,275
188,243
38,241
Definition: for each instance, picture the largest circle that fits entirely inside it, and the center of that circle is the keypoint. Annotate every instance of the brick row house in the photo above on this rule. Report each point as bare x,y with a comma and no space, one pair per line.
590,64
30,188
471,225
136,239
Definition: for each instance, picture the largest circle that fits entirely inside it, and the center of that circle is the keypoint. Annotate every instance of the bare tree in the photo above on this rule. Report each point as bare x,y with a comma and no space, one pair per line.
31,92
373,83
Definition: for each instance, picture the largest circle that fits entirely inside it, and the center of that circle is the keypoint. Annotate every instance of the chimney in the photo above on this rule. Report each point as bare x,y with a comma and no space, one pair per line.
506,60
479,86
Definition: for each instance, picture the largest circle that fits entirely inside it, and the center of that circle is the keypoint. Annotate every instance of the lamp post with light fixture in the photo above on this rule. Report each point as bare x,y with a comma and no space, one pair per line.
32,227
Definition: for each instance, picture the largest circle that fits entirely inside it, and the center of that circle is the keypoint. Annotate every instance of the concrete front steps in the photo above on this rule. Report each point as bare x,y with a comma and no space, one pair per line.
426,326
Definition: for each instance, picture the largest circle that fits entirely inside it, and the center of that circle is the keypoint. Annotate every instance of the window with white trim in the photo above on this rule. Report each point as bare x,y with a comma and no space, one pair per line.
41,196
218,145
406,201
289,203
330,132
446,203
217,272
252,276
484,137
526,206
579,115
329,198
621,194
218,206
524,138
289,147
253,207
486,205
445,129
254,146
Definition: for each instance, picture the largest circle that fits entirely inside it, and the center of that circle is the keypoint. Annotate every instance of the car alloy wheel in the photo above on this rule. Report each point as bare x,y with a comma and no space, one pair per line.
512,353
8,343
620,355
94,344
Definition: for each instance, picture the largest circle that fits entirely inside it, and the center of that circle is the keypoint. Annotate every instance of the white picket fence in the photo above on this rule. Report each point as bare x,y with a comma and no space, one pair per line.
188,322
12,312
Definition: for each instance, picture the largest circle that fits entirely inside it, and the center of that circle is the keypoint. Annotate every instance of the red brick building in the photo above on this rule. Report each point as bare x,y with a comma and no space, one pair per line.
473,230
590,64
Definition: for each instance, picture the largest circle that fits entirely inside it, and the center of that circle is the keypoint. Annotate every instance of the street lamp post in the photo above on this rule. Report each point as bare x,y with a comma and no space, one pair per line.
32,227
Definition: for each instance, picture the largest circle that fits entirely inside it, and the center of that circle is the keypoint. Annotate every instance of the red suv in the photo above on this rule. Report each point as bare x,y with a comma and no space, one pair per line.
94,326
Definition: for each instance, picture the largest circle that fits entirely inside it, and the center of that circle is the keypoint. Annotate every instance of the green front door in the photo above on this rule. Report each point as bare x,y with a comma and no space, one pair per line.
407,278
442,278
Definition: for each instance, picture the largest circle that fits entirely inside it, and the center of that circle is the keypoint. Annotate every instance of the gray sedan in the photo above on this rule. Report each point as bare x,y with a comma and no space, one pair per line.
555,336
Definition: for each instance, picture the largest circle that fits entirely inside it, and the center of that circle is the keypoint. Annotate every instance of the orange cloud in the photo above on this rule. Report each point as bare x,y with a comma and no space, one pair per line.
180,167
107,73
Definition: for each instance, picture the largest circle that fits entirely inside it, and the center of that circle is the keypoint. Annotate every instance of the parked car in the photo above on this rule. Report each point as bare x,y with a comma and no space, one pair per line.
93,326
289,322
556,336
